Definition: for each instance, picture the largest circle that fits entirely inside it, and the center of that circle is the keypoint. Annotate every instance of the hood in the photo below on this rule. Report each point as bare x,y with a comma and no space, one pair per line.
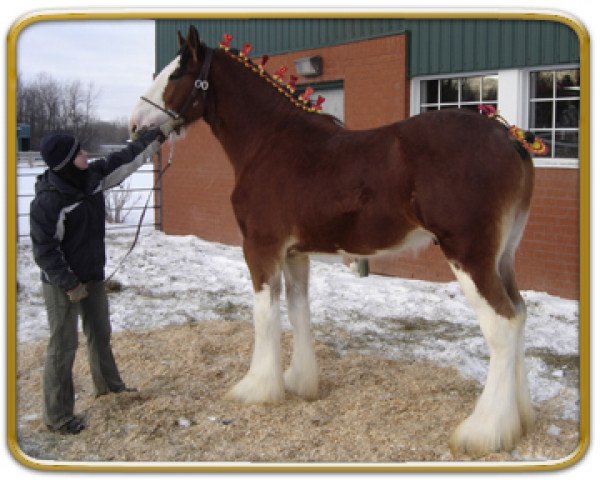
49,181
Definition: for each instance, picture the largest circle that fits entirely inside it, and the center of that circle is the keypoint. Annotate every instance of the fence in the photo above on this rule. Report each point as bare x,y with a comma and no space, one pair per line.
125,203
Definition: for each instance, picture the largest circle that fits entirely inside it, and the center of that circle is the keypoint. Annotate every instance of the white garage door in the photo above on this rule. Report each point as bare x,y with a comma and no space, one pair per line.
334,101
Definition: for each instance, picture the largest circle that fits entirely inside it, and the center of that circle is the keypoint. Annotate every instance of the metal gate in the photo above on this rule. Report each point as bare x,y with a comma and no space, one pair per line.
125,203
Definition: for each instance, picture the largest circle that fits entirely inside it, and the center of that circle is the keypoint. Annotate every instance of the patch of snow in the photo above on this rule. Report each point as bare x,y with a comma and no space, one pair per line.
171,279
554,430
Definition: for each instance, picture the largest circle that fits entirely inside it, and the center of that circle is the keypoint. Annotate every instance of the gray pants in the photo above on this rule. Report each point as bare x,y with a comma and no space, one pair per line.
59,397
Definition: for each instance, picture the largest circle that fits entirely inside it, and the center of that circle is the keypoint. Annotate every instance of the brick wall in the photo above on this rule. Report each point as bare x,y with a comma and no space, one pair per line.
376,89
548,257
196,189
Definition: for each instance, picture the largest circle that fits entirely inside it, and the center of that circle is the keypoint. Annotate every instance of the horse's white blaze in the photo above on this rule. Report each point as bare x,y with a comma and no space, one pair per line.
264,381
144,114
302,377
495,422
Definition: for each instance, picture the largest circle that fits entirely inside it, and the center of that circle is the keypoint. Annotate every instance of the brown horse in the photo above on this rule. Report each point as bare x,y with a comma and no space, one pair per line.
304,183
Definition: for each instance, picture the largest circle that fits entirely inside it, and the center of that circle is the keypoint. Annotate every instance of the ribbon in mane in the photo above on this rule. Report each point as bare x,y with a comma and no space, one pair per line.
277,80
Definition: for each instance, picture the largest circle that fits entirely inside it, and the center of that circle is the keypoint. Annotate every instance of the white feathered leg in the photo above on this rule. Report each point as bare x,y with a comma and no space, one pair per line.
526,412
264,381
302,377
494,424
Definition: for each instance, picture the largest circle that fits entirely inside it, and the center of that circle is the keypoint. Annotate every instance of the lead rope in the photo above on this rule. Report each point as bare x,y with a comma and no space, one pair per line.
140,221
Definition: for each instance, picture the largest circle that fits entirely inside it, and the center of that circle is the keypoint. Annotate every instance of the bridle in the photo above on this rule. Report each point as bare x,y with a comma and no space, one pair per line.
201,86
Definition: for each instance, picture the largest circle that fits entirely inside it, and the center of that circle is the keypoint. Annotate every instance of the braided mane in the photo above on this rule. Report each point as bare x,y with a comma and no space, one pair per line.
287,89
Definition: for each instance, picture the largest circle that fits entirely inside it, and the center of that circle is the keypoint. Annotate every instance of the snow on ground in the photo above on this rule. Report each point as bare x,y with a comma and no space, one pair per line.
178,279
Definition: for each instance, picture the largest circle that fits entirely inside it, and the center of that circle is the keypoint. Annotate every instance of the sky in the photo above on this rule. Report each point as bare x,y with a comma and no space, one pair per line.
116,57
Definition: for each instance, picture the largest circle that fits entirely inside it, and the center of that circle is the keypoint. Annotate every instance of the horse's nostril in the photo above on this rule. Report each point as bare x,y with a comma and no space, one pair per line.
133,128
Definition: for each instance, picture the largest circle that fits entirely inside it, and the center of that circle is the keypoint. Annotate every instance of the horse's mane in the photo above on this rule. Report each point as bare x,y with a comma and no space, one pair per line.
295,101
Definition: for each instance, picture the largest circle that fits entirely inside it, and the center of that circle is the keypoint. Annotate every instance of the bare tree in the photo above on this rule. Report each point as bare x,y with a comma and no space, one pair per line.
78,106
116,201
50,106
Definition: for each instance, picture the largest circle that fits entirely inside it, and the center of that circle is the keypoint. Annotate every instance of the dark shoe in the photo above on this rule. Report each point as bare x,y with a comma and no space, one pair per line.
125,389
72,427
117,390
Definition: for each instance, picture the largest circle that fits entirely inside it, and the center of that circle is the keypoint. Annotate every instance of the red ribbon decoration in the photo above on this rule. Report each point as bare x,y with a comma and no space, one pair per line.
246,49
305,97
225,43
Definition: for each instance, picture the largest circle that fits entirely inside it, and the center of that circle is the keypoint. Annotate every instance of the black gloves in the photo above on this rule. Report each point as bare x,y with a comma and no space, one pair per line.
147,135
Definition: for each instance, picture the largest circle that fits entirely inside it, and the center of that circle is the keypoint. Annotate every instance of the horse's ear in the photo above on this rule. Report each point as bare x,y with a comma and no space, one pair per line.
180,39
193,42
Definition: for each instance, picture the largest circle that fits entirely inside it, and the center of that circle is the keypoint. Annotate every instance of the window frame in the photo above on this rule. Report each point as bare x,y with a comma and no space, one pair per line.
415,107
514,107
564,162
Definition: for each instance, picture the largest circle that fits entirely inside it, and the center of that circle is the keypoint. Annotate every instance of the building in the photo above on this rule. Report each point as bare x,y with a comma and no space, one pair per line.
376,71
23,137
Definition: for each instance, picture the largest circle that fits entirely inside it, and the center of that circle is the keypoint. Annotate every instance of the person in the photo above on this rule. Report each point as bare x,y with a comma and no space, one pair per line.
67,220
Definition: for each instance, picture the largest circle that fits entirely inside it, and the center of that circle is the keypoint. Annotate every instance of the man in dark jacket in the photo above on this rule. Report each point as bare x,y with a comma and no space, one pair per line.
67,219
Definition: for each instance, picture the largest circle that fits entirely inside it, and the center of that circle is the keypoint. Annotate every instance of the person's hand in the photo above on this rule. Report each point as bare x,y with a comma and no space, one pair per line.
78,293
172,125
147,135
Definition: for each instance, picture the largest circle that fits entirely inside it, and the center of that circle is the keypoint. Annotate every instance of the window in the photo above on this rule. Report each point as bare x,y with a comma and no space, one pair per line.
458,92
554,110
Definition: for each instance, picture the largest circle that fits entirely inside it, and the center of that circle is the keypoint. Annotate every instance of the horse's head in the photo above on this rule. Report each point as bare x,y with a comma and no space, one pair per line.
178,90
146,114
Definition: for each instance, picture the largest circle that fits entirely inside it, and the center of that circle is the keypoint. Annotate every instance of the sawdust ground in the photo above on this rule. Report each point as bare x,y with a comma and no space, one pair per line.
370,409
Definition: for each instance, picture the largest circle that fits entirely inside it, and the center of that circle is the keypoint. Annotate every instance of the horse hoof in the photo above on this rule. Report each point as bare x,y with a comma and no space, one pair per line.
253,390
527,416
478,438
306,386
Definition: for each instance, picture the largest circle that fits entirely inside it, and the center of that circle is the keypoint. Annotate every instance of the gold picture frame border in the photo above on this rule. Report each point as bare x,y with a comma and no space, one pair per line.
134,14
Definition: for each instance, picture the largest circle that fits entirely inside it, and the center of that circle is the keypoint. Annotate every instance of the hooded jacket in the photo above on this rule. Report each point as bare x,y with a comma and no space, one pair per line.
67,224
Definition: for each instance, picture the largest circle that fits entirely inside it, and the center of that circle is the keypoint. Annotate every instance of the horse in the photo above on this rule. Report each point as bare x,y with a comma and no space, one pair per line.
305,184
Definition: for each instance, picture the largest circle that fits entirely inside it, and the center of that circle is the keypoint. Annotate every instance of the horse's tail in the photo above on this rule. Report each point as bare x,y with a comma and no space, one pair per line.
526,142
523,152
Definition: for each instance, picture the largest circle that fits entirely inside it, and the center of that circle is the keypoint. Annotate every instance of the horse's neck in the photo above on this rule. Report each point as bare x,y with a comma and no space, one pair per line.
249,112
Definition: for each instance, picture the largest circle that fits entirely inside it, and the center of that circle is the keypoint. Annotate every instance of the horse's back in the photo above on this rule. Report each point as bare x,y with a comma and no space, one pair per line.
468,175
457,152
459,137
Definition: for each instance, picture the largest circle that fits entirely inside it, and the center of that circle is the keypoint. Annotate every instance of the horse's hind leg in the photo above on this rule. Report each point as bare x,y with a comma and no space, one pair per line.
264,381
507,272
495,422
302,377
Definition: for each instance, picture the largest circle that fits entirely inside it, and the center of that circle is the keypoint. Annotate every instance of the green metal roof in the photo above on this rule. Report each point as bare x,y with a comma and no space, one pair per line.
436,46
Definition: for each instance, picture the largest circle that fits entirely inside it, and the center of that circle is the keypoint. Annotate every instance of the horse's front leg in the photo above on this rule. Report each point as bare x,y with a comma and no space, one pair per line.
302,377
264,381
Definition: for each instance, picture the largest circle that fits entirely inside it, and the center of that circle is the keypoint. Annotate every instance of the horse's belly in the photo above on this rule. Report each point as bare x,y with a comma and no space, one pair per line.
369,245
412,242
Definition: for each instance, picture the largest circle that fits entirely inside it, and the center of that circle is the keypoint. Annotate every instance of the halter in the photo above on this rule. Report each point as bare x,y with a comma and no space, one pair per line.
201,85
